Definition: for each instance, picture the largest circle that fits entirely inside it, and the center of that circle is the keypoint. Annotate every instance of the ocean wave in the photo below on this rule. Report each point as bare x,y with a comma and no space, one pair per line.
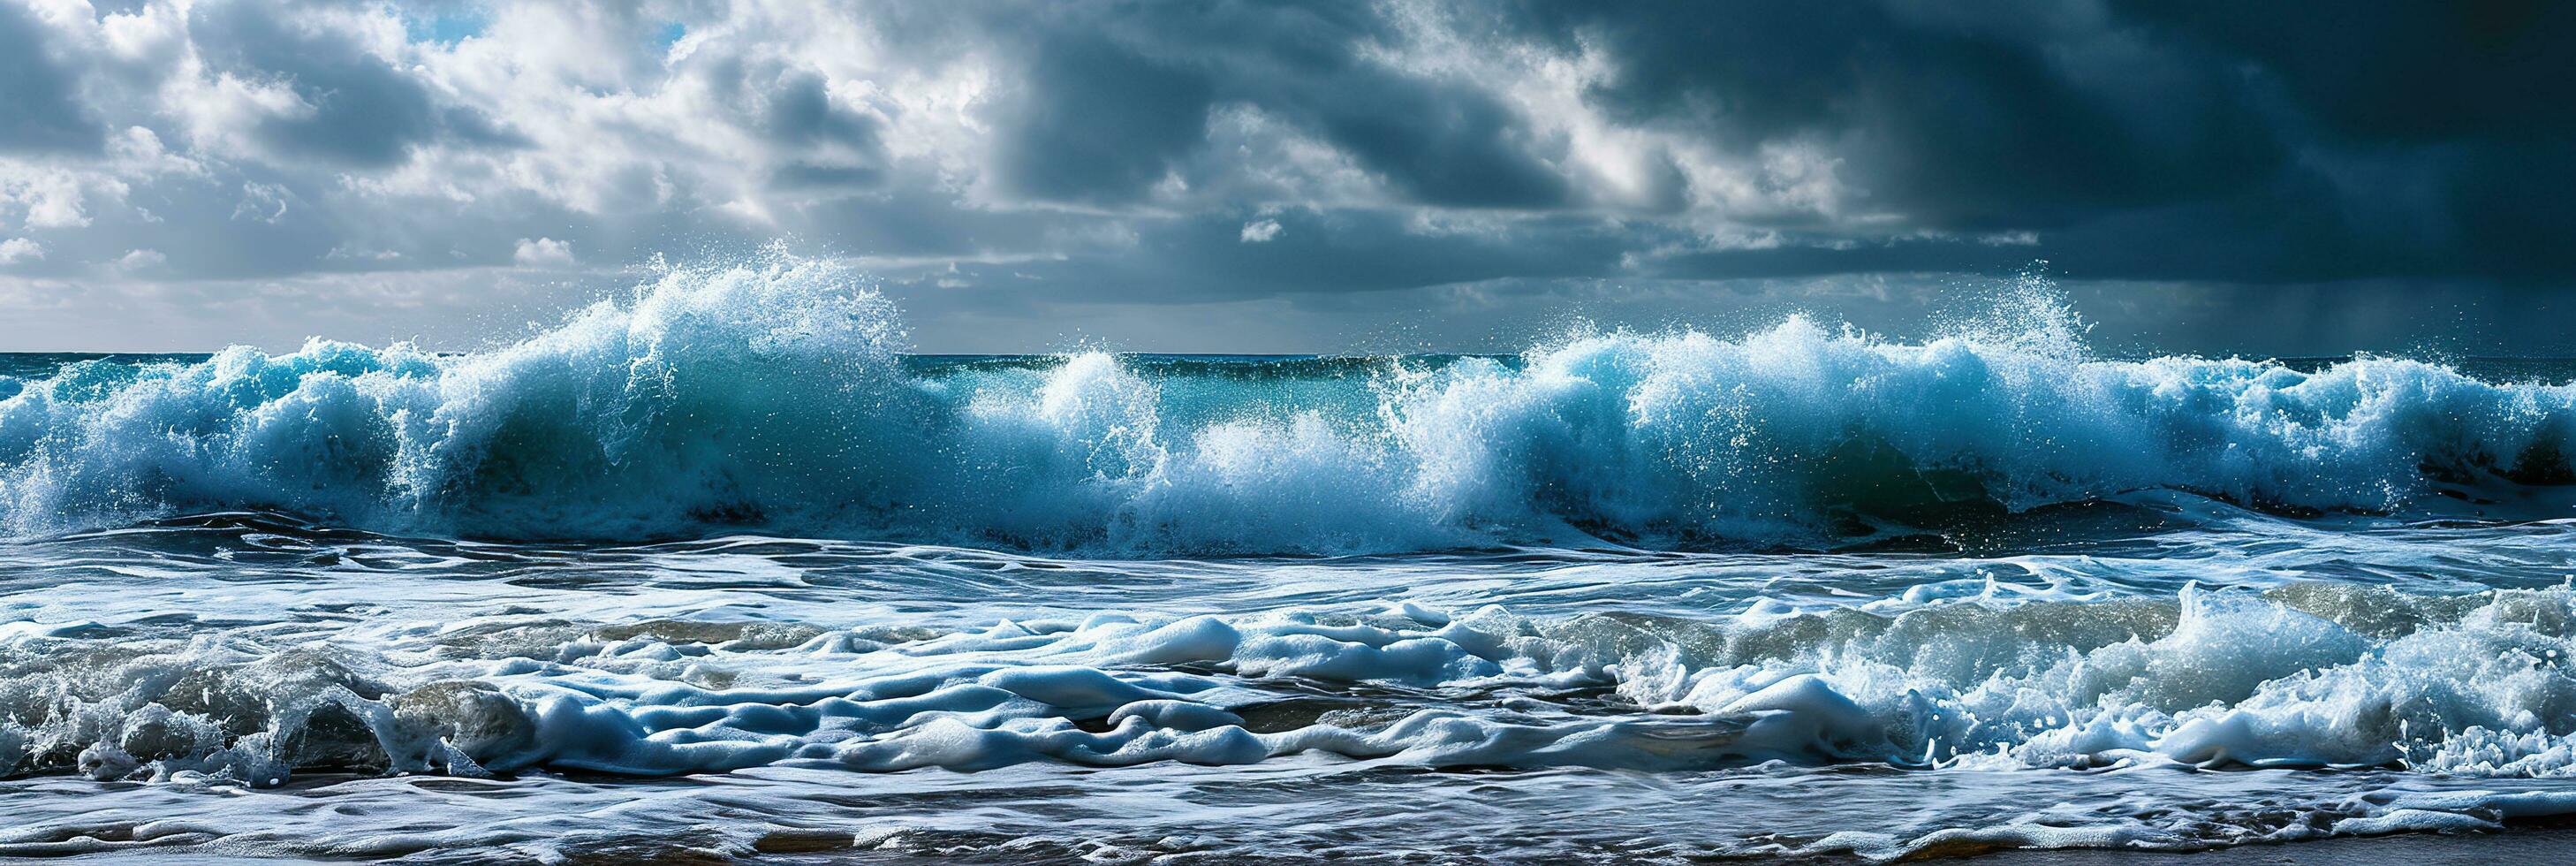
774,395
2305,675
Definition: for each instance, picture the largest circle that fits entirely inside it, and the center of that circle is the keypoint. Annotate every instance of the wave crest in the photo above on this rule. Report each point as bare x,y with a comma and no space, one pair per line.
776,395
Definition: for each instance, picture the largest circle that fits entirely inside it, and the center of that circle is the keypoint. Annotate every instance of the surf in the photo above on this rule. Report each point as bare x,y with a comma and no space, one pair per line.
777,395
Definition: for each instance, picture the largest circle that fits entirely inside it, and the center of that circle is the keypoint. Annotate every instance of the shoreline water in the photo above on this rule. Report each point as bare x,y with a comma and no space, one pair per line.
2538,844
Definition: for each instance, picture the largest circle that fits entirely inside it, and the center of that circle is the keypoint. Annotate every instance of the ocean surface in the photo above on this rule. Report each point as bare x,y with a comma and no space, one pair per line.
719,570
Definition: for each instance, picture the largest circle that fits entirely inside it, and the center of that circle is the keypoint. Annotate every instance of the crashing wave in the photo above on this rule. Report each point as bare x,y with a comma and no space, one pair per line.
775,396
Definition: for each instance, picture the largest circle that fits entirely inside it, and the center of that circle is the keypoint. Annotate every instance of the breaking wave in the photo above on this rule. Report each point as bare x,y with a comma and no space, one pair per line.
776,396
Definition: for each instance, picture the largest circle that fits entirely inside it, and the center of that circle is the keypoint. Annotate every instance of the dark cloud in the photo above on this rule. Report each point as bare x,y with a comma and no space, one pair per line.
1102,154
1439,142
838,147
2208,140
1100,123
42,113
1984,117
2151,140
2455,109
364,112
2396,71
1118,96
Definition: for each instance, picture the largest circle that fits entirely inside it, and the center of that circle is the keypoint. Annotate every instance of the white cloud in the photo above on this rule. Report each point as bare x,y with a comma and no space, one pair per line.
868,124
43,196
343,253
141,260
15,250
543,253
265,202
281,140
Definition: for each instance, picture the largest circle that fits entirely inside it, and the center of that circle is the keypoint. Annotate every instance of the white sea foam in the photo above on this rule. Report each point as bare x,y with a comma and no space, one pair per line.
2306,675
772,395
261,678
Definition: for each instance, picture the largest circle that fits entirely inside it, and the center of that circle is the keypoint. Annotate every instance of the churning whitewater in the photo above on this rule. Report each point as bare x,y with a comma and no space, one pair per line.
776,398
720,571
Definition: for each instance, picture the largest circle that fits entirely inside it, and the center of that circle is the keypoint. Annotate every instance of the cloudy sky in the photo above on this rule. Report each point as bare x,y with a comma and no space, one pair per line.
1216,176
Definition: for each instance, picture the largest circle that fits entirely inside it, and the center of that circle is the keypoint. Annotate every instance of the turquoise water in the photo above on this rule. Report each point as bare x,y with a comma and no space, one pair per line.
721,571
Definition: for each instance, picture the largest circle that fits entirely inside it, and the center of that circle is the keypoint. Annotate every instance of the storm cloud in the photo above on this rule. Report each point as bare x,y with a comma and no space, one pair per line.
280,167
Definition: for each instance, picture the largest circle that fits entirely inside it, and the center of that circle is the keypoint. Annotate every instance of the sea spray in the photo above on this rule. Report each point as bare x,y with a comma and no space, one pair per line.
773,395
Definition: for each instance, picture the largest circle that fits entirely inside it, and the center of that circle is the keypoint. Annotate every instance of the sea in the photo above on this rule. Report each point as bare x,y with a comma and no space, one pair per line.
719,570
